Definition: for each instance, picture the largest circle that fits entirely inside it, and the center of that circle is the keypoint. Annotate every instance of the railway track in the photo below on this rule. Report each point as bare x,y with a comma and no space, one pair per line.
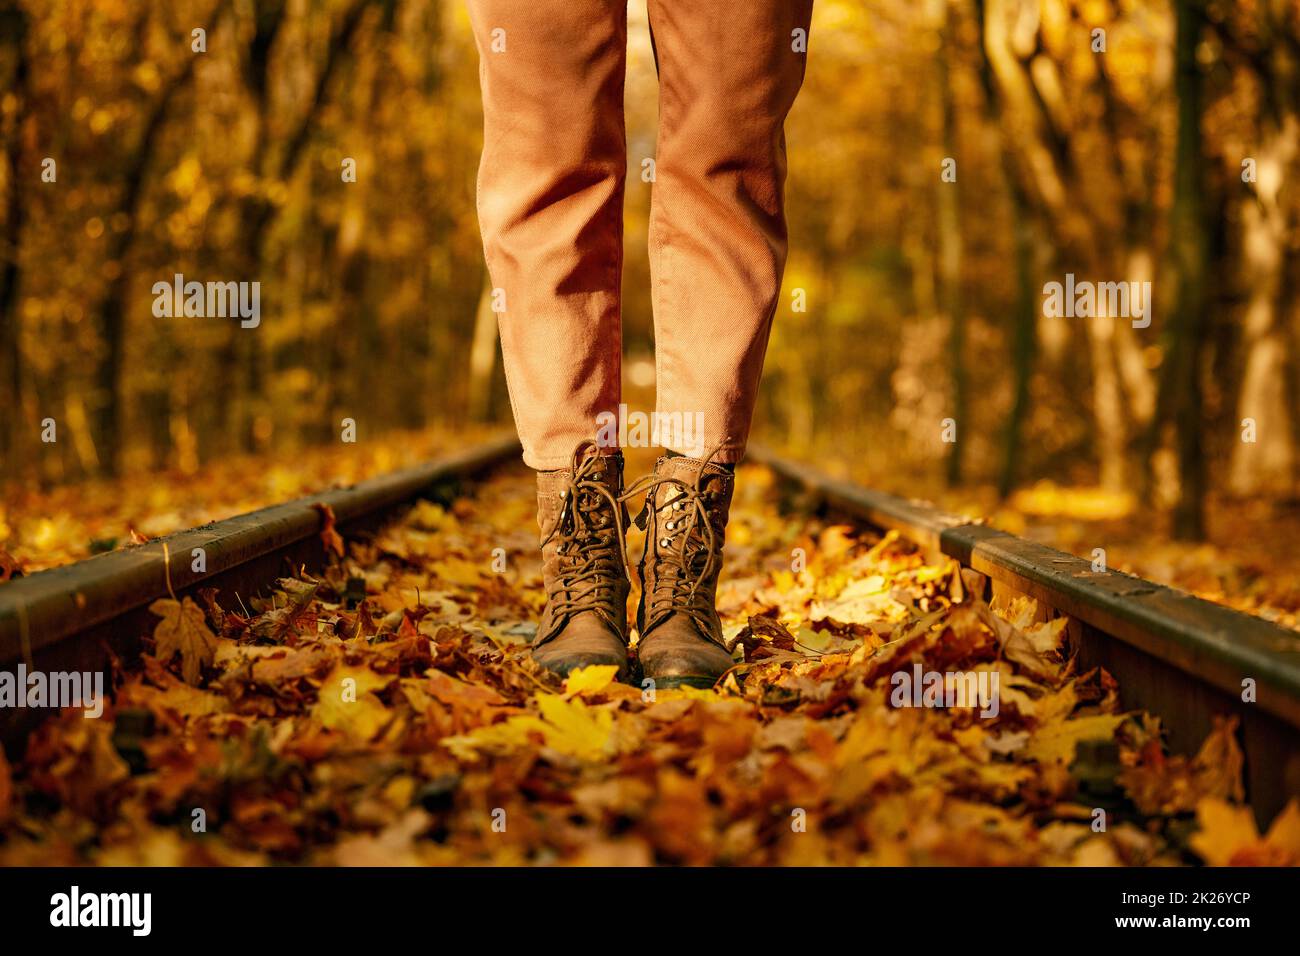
78,616
1181,658
1174,655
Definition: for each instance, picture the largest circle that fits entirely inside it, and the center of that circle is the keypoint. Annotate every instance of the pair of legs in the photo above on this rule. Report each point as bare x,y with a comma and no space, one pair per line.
550,204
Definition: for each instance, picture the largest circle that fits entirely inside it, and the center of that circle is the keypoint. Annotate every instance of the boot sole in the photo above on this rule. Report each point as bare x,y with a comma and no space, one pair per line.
670,683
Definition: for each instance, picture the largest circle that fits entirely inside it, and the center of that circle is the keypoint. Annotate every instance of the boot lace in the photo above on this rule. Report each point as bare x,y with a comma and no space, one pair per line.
590,543
687,544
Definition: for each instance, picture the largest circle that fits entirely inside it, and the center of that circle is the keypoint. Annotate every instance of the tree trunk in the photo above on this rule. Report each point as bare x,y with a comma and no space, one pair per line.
109,402
1268,465
1190,263
1125,346
258,215
1025,312
14,72
950,248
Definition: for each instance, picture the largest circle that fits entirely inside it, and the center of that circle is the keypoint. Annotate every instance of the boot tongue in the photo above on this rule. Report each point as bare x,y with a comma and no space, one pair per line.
607,470
686,469
714,479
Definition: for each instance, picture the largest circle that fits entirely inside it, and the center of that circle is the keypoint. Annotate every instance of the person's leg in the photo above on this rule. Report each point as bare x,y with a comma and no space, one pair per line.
728,75
550,205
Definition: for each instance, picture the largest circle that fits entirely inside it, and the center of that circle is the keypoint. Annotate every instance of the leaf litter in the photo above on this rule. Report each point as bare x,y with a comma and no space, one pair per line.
387,712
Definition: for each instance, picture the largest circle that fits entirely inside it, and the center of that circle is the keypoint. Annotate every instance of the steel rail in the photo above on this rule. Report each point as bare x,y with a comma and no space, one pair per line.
79,616
1175,655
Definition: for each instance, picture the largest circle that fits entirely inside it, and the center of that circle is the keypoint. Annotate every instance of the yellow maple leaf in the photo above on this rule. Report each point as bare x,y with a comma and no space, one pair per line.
504,737
569,726
1285,831
1228,835
347,701
1224,830
459,572
183,630
1054,742
572,727
427,516
589,680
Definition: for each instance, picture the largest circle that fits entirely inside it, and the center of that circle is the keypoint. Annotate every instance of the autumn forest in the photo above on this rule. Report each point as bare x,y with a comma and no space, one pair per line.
1044,272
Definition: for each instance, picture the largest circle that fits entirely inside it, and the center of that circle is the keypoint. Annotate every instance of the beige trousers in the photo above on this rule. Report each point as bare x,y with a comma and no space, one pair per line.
550,204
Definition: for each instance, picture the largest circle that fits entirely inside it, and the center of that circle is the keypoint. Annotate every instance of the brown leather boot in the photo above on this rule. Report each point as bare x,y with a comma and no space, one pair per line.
583,564
685,518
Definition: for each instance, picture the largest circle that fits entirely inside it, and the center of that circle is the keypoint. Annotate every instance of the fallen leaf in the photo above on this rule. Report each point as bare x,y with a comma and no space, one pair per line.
329,535
1227,835
347,701
589,680
1055,742
183,630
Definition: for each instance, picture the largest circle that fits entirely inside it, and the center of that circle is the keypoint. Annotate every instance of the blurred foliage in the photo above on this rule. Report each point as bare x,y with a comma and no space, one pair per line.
368,288
227,165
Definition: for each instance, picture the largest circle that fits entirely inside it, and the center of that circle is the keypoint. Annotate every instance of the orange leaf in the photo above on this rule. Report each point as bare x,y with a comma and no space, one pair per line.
332,539
184,631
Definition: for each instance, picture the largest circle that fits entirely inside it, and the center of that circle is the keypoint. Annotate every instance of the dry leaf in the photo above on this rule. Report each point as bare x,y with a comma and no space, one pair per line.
329,535
183,630
589,680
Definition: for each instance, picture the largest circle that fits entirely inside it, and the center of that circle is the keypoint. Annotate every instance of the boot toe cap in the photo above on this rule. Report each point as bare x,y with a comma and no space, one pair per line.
682,659
581,646
562,662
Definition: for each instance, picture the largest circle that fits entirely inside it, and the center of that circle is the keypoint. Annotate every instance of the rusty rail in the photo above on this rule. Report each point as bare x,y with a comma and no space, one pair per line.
1175,655
78,616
